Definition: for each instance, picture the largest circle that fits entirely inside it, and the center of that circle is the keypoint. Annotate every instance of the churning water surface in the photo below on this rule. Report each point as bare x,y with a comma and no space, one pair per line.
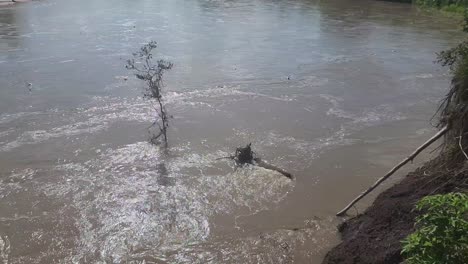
332,91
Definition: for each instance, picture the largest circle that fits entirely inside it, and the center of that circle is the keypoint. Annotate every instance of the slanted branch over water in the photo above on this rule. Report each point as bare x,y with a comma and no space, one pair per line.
394,169
452,114
245,155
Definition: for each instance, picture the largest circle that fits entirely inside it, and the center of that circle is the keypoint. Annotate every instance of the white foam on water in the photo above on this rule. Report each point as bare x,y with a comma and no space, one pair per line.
92,120
335,109
368,117
273,246
6,132
342,136
37,59
13,182
417,76
38,136
132,200
6,118
103,111
336,58
66,61
234,93
5,249
311,80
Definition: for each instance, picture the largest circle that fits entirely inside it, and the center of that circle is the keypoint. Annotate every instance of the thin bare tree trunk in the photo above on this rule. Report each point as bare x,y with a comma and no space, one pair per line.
394,169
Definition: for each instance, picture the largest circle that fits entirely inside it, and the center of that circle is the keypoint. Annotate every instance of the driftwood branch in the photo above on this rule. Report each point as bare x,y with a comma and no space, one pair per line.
245,155
394,169
259,162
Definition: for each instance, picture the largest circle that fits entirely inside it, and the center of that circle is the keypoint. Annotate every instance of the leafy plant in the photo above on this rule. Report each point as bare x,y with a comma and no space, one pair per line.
465,20
152,74
441,236
442,3
454,57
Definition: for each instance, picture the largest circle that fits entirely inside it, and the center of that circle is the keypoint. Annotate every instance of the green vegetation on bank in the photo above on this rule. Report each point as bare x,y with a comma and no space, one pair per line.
457,9
453,6
442,231
441,235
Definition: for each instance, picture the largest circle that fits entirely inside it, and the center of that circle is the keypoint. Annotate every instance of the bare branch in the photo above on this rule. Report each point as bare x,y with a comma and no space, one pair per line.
461,145
394,169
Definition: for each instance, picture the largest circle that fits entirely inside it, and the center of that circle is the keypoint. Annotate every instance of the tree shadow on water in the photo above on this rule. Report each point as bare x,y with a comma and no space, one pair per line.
163,176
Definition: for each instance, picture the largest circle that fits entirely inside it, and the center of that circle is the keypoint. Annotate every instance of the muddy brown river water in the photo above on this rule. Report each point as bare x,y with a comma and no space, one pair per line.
332,91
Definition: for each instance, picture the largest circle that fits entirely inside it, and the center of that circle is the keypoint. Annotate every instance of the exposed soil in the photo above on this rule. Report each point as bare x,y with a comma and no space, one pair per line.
374,236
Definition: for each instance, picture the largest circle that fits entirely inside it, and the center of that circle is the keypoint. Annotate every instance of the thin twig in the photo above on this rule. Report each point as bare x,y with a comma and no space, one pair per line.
394,169
450,180
228,157
441,145
461,145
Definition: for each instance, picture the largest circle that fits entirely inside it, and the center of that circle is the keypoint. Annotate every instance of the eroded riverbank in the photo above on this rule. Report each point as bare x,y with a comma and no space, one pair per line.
374,237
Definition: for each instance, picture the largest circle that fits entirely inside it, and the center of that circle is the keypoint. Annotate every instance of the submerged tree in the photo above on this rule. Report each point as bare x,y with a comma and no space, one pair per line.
145,69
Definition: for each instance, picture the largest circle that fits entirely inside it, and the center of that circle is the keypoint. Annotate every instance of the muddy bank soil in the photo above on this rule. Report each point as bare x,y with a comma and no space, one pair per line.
374,236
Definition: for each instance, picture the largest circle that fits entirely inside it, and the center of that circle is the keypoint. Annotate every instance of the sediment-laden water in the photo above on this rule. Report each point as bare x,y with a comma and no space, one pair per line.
332,91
